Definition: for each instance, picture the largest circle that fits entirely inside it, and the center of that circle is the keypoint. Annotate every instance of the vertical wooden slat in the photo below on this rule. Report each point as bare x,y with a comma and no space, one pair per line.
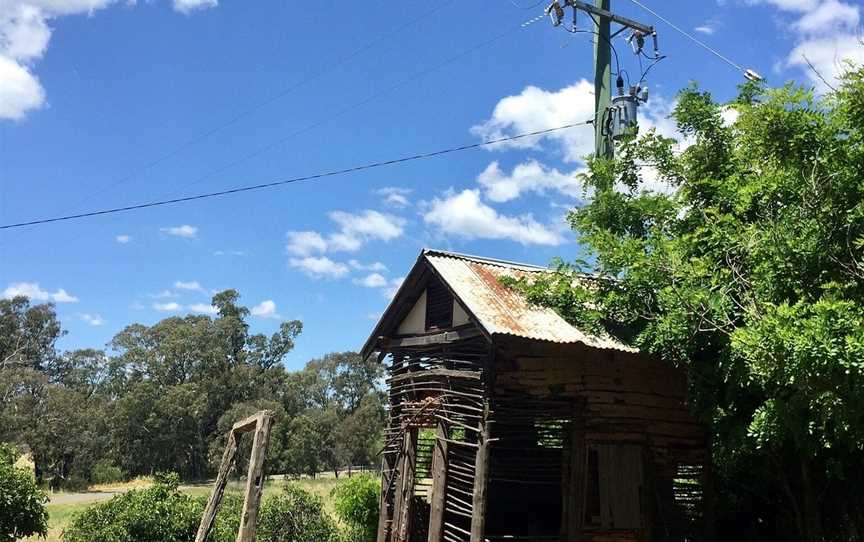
215,500
439,483
255,479
385,520
481,483
405,487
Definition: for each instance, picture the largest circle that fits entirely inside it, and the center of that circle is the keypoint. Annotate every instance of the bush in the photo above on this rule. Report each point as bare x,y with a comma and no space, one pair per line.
156,513
356,502
106,472
22,505
295,516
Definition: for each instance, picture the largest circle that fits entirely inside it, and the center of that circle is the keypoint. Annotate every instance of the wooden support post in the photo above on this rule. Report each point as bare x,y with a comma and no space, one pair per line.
405,487
708,517
481,482
385,519
439,484
215,500
255,479
261,423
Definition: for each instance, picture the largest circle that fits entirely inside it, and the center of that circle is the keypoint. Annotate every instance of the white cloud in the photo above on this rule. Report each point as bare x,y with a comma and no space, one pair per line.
24,38
185,231
202,308
374,266
305,243
167,307
93,319
188,6
354,231
265,309
830,15
464,215
229,253
191,285
319,267
706,29
123,239
372,280
394,195
537,109
828,55
34,292
164,294
527,176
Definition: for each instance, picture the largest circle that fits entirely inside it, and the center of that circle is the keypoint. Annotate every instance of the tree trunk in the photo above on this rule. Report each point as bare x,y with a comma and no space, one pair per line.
810,506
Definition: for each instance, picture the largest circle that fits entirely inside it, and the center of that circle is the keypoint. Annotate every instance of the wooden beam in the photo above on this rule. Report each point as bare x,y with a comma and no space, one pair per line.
255,478
385,519
215,500
436,338
246,425
405,487
481,483
434,373
439,484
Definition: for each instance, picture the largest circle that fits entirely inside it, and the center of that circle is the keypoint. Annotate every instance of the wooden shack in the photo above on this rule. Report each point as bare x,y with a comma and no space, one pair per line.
508,423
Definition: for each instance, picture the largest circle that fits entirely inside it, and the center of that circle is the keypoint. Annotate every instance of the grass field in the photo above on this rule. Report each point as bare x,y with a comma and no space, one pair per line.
60,515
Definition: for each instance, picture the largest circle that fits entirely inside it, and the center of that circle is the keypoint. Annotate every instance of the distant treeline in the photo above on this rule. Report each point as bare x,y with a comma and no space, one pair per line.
161,398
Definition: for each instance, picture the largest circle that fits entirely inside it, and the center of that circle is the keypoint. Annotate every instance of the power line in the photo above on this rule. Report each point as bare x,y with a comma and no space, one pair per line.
333,173
693,38
324,70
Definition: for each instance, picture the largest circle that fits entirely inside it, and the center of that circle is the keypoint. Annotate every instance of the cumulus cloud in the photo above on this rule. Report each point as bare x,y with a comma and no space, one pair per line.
706,29
171,306
537,109
164,294
319,267
826,36
93,319
265,309
192,285
528,176
463,214
24,38
188,6
123,239
354,230
202,308
186,231
374,266
372,280
34,292
394,195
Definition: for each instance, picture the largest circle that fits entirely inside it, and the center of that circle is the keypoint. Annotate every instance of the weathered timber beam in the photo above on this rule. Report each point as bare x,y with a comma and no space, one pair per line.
255,478
246,425
423,340
435,373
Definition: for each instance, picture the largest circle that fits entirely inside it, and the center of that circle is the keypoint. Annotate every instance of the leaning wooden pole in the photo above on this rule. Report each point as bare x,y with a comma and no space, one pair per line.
218,491
255,479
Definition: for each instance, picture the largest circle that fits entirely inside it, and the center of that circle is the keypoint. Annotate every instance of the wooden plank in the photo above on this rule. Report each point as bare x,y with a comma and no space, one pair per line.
244,426
481,484
215,500
405,487
384,518
255,478
434,373
439,484
436,338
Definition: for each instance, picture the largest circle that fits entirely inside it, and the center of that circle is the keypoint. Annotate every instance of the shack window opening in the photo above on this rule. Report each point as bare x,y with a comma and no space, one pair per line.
613,487
439,306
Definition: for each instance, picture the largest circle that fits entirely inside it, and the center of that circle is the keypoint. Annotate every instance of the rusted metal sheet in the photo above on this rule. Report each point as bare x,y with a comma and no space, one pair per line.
501,310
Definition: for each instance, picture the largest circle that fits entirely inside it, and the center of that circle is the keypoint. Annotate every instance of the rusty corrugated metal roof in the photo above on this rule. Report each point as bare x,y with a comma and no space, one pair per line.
500,310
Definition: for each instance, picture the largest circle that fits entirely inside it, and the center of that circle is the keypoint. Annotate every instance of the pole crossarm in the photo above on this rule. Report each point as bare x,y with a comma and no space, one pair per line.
630,23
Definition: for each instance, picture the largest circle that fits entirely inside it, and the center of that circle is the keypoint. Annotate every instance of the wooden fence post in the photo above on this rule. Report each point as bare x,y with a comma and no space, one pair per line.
439,483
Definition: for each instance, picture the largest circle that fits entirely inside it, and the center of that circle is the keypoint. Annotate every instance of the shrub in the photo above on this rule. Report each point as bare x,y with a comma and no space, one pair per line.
356,502
22,505
106,472
295,516
156,513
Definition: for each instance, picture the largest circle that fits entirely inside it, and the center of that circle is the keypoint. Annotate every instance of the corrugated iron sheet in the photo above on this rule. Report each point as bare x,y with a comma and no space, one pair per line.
501,310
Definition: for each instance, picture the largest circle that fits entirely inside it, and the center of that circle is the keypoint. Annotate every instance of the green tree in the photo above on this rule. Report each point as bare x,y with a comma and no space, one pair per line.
23,506
750,274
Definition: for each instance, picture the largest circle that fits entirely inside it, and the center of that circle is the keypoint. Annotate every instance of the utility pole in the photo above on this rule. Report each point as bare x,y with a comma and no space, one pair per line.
603,147
614,118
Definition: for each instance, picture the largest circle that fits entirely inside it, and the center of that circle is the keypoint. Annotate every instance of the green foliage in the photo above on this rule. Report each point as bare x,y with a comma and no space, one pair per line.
22,505
106,472
295,515
748,273
156,513
356,501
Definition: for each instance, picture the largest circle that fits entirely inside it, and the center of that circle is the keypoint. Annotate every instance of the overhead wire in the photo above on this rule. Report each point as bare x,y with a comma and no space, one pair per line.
690,36
325,69
316,176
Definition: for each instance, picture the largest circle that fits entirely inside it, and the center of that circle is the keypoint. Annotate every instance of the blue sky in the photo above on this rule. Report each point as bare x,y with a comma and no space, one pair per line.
99,98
